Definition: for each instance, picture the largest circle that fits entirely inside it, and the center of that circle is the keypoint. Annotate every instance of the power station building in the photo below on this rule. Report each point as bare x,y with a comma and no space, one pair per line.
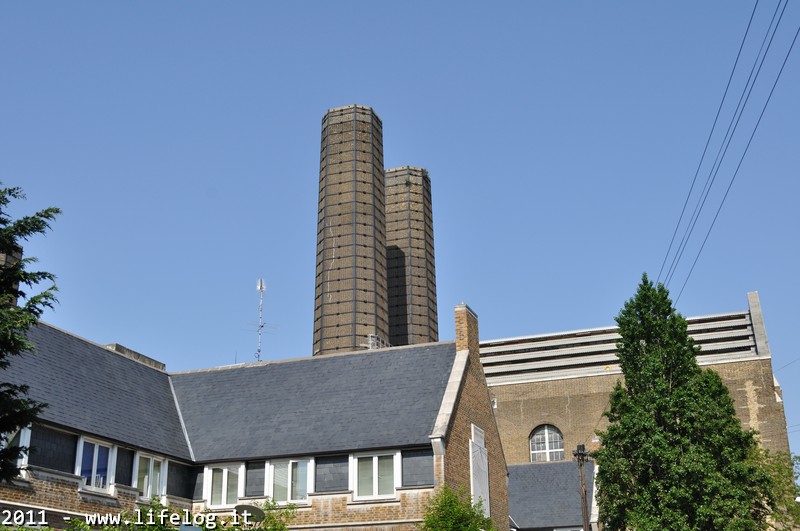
361,434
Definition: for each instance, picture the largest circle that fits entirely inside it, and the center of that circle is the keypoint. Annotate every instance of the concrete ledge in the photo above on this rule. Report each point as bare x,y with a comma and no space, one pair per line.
415,487
18,483
331,493
47,474
378,501
99,497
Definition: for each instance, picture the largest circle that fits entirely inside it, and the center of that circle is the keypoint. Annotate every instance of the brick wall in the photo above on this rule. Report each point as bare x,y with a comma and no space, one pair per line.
60,493
473,406
757,400
337,511
576,405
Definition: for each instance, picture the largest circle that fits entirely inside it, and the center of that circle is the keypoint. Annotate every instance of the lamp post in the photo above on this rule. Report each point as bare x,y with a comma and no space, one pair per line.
581,455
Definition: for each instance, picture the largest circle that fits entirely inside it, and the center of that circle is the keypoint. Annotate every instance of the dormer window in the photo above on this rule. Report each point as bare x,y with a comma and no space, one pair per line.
95,464
223,485
375,475
291,480
150,475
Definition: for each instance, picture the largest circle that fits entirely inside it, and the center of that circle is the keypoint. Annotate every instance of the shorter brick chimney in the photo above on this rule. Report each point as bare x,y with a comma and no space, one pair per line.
467,329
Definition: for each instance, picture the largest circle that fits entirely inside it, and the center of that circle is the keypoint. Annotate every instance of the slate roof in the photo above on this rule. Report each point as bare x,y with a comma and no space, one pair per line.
547,495
99,392
326,404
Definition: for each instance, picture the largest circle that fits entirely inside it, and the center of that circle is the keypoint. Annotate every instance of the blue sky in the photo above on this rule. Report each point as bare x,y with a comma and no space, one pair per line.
181,141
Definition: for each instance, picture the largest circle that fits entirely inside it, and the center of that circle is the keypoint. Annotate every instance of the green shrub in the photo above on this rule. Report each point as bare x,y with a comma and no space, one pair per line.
451,510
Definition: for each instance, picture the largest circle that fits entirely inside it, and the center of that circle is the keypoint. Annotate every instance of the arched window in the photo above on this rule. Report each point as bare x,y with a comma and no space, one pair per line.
547,444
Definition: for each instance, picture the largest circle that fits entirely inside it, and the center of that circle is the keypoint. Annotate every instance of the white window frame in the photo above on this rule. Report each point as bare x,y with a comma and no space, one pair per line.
207,476
112,463
547,452
477,445
396,470
162,479
269,479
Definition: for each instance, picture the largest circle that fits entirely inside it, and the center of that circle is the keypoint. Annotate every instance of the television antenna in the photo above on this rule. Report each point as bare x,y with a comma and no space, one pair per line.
261,287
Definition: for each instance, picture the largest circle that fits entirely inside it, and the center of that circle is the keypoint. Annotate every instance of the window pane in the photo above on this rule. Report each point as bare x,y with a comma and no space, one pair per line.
556,440
87,462
386,475
557,456
479,476
143,477
299,480
539,457
216,486
280,482
155,481
364,476
101,472
233,486
538,440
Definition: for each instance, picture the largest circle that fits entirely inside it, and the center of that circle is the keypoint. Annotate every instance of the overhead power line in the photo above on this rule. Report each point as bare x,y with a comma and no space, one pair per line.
733,124
708,140
755,128
676,251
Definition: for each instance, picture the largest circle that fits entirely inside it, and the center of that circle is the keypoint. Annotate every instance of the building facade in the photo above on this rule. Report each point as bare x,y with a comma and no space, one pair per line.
357,440
551,390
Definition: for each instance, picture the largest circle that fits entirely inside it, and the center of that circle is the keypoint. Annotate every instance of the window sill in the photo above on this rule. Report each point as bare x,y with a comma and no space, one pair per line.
97,490
220,508
20,483
415,487
330,493
301,504
104,498
374,501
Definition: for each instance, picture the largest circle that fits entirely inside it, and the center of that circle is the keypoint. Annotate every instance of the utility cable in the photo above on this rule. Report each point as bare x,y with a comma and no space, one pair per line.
744,98
708,140
785,59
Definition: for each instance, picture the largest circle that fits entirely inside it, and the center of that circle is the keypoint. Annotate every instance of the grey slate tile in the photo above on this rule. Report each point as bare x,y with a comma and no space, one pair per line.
323,405
326,404
94,390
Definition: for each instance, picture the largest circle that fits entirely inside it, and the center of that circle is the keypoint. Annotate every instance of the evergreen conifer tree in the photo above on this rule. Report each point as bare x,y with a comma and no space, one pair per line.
674,455
16,409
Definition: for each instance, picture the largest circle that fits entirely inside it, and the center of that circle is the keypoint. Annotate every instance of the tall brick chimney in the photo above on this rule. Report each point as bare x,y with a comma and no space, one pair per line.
350,300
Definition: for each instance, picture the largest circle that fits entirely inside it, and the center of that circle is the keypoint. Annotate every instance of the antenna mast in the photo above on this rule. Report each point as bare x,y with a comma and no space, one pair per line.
261,287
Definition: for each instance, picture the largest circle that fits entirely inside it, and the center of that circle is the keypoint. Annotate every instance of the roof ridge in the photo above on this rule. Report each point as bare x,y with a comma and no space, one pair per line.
252,364
105,348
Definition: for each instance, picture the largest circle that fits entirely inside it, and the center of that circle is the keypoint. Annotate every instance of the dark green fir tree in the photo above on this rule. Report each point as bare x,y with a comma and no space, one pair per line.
674,456
19,310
